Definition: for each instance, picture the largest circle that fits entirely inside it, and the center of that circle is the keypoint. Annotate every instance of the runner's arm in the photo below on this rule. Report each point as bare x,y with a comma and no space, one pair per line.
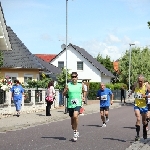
11,90
84,92
133,89
98,96
65,91
112,97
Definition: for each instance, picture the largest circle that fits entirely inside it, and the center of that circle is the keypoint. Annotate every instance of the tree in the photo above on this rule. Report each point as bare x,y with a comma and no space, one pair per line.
140,64
61,79
42,83
106,62
148,24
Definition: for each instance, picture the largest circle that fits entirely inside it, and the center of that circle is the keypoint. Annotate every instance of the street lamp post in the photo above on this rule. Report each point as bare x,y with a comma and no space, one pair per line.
130,65
66,99
66,35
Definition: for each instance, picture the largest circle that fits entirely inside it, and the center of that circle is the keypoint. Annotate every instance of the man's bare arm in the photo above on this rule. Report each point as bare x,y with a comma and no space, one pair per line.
65,90
133,89
83,91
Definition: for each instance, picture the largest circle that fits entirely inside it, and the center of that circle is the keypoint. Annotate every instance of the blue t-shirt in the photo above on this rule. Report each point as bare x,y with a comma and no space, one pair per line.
104,96
17,91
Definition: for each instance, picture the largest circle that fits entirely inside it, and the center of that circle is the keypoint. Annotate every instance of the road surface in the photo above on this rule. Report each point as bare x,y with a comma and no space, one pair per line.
118,135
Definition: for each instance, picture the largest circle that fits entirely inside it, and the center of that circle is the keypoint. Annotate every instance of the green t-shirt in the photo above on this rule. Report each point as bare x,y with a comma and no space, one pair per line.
75,95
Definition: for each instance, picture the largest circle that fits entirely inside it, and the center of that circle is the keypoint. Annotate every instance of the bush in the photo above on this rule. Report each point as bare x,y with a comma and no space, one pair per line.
95,86
38,84
116,86
61,79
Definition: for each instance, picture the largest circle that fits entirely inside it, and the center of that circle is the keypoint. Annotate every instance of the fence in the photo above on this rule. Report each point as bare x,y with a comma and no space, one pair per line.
2,96
33,100
116,93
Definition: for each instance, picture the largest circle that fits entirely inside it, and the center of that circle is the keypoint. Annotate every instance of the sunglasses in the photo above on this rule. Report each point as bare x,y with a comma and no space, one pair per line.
73,76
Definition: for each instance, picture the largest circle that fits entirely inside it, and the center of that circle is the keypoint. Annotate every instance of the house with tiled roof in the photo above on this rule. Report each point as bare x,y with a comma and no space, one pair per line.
19,62
80,61
46,57
4,39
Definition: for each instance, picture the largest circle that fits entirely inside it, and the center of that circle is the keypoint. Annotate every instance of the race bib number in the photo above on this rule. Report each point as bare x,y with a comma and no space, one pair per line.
138,96
148,100
74,101
104,97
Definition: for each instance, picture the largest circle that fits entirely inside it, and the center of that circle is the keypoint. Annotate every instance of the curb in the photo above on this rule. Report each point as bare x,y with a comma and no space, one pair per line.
46,119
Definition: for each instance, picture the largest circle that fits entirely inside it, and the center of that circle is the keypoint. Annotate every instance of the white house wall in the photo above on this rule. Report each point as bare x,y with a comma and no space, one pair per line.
106,79
4,39
89,71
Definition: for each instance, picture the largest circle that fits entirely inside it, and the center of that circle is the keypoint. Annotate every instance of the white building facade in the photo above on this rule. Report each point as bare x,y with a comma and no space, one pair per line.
77,63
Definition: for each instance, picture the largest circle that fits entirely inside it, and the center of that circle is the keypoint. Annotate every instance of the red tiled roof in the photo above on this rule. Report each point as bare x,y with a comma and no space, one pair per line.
116,65
46,57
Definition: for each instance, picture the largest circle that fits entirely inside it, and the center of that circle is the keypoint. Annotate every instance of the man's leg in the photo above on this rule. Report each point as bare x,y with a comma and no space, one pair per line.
148,116
145,123
106,113
71,110
121,98
102,116
75,123
124,98
137,114
75,120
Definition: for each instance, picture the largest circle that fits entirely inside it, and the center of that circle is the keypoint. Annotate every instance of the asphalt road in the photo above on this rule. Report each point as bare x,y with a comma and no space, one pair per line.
118,135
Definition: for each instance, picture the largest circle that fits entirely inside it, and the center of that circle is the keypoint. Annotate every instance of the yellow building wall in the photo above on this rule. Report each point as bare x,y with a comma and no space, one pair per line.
20,73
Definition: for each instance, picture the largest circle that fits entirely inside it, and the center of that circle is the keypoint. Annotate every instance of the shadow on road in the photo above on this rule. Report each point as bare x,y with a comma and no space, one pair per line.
91,125
58,138
60,111
129,127
127,104
114,139
40,114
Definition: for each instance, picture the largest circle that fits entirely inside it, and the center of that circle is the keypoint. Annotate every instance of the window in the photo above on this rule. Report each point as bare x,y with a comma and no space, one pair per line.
27,77
12,76
37,77
79,65
61,64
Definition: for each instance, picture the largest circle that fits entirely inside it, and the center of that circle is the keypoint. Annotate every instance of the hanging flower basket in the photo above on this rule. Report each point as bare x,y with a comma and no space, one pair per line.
6,84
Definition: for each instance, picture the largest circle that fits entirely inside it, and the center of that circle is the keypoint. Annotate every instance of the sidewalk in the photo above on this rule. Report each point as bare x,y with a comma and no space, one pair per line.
141,145
12,123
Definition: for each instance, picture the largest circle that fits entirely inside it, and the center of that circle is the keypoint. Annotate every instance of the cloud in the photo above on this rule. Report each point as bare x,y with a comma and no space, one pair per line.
113,46
94,47
112,39
46,37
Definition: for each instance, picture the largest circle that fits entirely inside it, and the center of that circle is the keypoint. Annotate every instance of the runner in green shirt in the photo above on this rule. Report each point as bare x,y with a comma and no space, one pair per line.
74,90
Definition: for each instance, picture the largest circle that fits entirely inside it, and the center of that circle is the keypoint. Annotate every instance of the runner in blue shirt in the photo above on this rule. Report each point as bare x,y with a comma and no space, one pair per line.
17,92
105,96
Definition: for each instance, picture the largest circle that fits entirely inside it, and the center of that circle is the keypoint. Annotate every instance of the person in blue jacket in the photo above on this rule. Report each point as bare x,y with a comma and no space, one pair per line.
17,92
105,96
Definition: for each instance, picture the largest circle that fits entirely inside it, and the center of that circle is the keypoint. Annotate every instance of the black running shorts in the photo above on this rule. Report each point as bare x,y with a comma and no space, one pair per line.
71,110
104,108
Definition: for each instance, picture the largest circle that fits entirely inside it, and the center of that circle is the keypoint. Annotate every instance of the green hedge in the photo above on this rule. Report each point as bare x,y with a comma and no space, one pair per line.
95,86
